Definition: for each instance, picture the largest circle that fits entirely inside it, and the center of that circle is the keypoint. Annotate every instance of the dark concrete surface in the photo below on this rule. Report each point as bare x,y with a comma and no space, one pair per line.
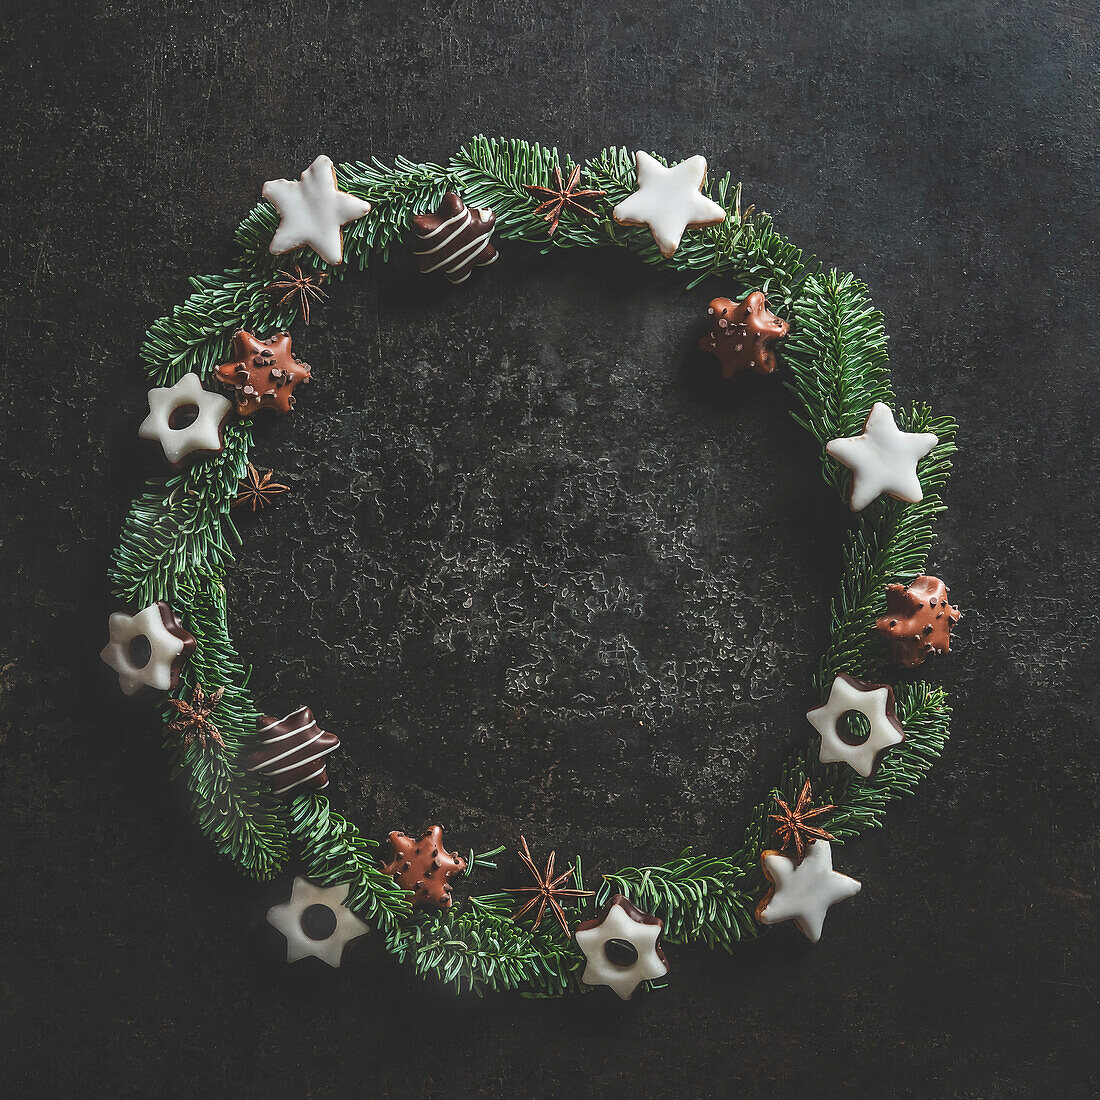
537,570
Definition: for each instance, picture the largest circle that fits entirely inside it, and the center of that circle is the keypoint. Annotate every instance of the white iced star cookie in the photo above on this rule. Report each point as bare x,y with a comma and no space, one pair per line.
803,892
315,922
185,419
312,210
148,649
669,200
883,459
621,948
876,703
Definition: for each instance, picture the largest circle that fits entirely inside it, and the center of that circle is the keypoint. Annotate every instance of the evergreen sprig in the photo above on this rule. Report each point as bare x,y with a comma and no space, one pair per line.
178,540
700,898
478,946
334,853
241,818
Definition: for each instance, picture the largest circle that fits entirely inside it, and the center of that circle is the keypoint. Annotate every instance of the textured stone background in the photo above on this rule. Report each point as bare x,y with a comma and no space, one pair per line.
538,570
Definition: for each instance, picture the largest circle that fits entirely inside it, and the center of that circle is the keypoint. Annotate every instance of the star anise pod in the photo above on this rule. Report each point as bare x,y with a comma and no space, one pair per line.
303,288
793,825
546,891
193,717
257,489
560,196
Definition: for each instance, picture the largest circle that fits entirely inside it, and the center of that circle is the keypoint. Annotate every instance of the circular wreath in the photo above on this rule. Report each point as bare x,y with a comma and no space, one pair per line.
178,540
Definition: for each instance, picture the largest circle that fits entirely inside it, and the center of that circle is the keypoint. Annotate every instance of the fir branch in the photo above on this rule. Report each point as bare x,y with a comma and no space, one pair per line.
698,897
334,852
838,369
745,248
180,527
196,336
890,542
177,541
836,355
713,899
478,946
492,172
241,819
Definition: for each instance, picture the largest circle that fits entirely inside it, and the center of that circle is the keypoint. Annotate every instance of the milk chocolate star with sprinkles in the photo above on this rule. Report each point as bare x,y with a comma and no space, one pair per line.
423,866
546,891
918,620
560,196
743,334
793,824
263,372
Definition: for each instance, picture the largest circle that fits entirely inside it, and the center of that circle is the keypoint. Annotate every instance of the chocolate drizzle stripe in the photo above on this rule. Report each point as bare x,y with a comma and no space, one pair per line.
463,213
266,765
461,260
466,219
300,763
305,779
458,257
279,721
468,261
290,733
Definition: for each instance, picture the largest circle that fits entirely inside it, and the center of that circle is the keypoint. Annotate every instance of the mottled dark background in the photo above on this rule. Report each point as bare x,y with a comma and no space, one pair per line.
538,571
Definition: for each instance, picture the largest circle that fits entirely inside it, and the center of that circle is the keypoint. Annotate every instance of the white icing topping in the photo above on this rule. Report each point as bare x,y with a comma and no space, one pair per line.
619,925
312,210
279,721
669,200
203,434
266,764
804,893
287,918
847,695
164,648
883,459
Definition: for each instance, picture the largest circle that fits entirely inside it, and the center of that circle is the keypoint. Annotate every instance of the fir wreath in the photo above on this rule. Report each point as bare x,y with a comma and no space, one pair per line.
179,538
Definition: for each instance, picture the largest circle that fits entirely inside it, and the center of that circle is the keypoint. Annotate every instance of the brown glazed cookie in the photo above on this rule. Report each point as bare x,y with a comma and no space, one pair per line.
918,620
423,866
263,372
743,334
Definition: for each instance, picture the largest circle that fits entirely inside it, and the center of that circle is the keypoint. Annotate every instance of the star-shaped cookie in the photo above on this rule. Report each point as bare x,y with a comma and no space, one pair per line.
148,649
312,210
803,892
669,200
315,922
621,948
180,440
876,703
423,866
743,334
883,459
263,372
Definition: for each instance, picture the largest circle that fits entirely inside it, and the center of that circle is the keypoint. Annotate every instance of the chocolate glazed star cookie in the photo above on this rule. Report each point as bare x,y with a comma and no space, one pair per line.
263,372
743,334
